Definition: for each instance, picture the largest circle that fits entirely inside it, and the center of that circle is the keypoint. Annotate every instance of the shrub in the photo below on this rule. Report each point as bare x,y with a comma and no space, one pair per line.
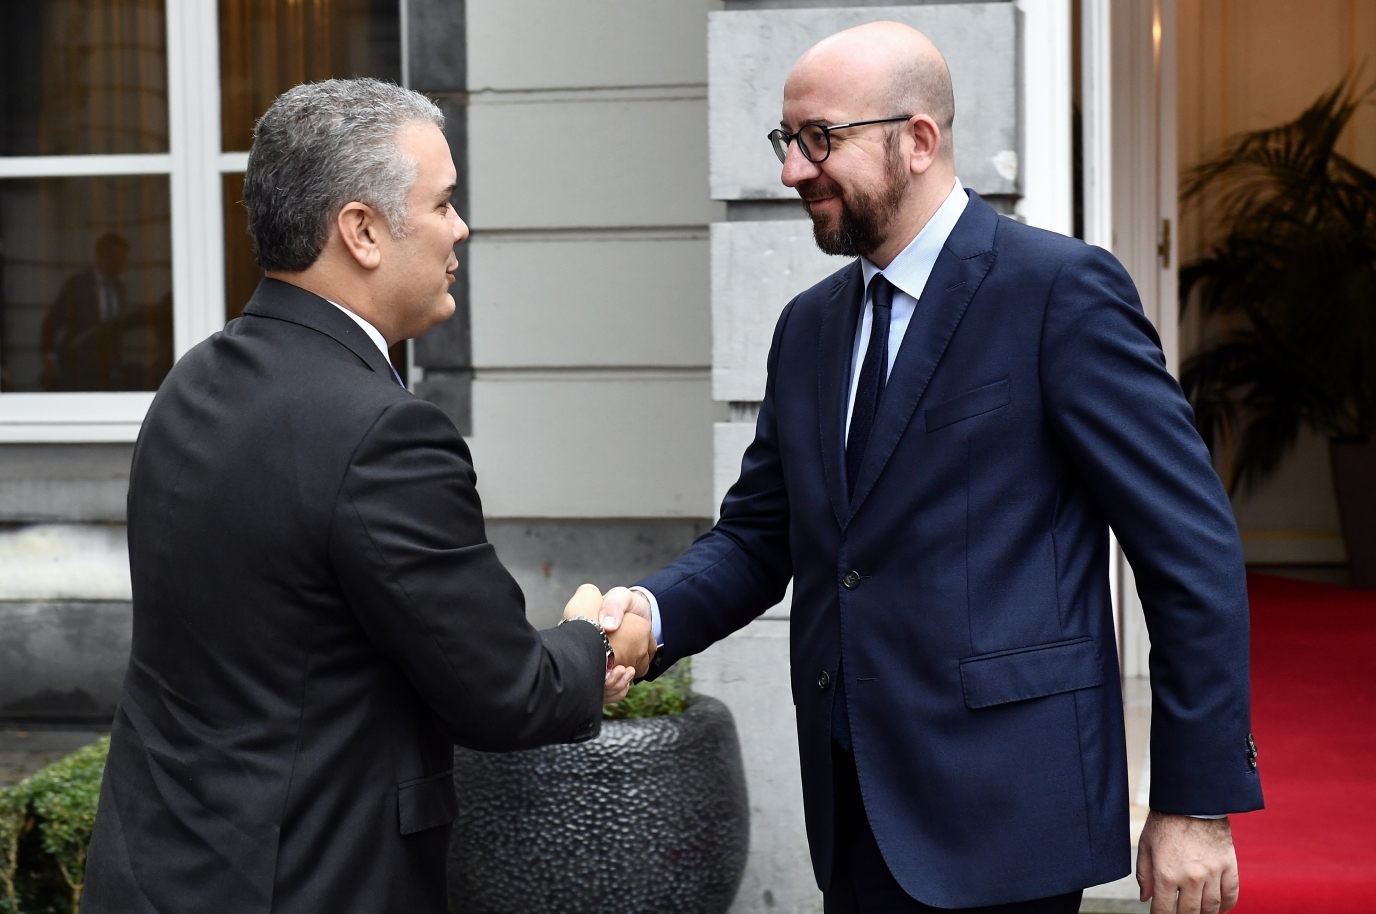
666,695
45,826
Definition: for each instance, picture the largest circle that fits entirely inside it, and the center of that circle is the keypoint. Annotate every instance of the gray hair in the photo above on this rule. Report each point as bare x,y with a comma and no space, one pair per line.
319,147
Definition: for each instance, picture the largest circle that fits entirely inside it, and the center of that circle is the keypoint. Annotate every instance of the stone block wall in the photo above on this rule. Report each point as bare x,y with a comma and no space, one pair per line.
588,264
65,613
762,256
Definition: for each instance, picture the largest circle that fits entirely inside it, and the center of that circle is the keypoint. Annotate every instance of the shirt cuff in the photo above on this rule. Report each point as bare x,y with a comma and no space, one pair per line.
1222,816
655,625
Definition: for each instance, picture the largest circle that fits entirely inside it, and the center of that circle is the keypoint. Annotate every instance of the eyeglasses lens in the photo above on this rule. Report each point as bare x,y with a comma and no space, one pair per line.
780,141
813,142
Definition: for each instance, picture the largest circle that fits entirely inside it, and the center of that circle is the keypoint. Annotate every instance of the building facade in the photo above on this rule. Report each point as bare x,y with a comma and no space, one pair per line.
631,248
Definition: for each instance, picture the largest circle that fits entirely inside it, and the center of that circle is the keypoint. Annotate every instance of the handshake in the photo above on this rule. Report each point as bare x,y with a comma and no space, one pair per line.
625,615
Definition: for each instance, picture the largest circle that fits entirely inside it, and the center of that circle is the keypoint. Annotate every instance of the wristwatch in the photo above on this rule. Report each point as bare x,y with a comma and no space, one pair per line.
606,642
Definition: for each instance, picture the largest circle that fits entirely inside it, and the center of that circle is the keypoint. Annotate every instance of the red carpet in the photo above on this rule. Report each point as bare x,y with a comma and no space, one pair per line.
1313,849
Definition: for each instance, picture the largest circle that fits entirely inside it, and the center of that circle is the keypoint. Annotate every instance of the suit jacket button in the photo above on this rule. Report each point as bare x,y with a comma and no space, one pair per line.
824,680
851,580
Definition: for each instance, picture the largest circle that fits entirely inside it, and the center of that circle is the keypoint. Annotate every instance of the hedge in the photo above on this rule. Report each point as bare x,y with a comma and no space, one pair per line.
45,825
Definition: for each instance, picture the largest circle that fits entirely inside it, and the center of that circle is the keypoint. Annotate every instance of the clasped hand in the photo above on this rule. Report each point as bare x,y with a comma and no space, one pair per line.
632,641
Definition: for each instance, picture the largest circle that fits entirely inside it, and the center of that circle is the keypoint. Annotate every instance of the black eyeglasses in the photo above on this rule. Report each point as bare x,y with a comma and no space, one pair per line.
813,138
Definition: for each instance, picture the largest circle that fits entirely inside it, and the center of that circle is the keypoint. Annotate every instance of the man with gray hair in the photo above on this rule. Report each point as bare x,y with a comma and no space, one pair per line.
318,617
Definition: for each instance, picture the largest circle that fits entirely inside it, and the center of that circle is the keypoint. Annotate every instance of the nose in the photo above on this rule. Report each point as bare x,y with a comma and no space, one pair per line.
460,230
797,167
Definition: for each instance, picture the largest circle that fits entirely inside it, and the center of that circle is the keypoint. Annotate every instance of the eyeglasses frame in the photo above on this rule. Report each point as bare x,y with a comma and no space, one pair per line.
788,138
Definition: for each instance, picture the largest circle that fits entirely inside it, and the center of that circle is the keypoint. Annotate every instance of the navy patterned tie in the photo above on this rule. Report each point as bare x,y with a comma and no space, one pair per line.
873,376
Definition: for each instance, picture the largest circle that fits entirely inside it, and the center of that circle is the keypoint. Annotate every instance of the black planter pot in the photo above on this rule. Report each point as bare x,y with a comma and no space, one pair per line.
1354,480
650,817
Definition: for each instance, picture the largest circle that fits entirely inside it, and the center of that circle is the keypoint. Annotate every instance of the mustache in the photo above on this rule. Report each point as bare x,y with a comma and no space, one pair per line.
817,189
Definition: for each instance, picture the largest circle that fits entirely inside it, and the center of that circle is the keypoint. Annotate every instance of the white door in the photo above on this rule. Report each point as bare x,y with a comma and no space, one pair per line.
1128,75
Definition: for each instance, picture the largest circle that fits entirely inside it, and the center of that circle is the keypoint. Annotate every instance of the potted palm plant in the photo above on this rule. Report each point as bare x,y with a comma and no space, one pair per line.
650,816
1288,293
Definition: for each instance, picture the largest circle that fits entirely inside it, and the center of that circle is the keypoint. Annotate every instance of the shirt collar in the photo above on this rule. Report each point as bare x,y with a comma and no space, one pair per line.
913,265
369,329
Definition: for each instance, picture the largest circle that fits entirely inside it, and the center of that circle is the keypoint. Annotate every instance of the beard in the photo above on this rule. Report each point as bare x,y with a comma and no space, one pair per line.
866,215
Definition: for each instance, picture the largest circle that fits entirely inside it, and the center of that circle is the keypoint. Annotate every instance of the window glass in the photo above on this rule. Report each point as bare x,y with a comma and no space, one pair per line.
85,283
242,272
82,77
268,46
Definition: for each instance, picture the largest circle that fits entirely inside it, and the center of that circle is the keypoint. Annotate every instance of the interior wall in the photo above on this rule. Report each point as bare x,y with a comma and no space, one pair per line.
1244,65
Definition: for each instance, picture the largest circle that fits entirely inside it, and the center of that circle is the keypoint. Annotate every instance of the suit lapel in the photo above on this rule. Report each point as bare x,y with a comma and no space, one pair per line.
960,268
286,302
836,348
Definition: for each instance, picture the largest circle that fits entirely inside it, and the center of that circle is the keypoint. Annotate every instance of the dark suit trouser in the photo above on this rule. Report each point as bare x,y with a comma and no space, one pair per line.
861,882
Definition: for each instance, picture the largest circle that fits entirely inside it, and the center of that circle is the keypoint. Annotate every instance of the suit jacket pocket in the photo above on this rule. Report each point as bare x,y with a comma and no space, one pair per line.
968,405
1031,672
427,802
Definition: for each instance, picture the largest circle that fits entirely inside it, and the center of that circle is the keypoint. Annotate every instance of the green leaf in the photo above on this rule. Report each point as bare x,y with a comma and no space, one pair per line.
666,695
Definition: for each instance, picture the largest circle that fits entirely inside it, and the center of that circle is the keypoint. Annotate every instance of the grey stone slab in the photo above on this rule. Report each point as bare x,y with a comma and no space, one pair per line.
62,660
452,392
63,482
635,162
751,51
765,210
757,268
450,345
729,442
438,44
455,109
551,557
587,44
594,443
749,672
64,562
573,300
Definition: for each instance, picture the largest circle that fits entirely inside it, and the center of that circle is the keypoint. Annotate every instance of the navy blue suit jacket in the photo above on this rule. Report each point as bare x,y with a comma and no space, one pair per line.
1028,411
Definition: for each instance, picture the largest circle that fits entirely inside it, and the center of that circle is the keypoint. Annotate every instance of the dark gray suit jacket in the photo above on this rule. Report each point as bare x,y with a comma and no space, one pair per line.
318,618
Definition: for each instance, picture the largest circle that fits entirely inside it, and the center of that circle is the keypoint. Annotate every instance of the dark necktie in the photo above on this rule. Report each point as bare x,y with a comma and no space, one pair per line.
874,372
873,376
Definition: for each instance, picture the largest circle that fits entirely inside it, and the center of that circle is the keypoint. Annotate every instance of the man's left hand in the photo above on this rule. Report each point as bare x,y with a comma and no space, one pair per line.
1189,856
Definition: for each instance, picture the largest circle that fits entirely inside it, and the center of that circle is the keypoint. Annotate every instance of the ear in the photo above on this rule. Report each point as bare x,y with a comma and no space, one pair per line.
926,139
361,227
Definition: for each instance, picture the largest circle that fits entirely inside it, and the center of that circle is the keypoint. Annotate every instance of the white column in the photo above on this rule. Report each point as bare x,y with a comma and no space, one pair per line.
193,110
1048,155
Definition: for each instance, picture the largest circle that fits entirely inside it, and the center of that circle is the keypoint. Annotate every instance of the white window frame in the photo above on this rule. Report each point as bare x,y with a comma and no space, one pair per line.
194,166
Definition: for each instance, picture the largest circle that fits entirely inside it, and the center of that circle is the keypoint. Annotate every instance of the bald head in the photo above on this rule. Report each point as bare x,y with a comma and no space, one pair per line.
879,69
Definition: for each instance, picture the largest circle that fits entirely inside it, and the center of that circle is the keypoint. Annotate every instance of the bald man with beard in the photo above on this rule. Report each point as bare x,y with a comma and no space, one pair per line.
950,427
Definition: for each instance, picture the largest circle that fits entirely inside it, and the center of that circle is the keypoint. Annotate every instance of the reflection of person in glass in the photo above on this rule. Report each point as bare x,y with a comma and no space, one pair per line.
82,335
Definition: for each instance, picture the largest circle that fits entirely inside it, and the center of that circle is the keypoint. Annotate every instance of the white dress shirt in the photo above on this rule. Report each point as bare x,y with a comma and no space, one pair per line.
369,329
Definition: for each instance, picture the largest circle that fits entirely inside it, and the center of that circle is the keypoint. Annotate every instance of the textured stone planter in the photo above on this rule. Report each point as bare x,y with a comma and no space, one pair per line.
650,817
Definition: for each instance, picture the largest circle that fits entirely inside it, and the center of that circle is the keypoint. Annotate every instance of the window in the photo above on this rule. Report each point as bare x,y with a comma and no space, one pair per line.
124,130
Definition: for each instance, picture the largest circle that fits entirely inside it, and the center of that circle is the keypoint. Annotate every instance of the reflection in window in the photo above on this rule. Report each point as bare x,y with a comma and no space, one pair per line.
81,77
85,283
268,46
